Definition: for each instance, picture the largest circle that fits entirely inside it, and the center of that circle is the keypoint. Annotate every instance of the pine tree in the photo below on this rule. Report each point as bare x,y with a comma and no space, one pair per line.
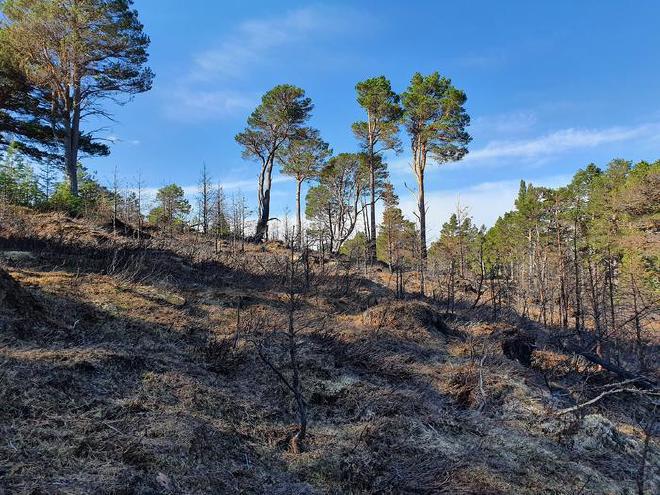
435,119
303,159
77,53
379,133
277,120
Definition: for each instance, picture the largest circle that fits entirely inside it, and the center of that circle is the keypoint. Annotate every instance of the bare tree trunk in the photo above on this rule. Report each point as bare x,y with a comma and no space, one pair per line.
610,276
115,193
205,199
576,268
421,206
641,475
298,216
595,308
139,208
299,437
70,158
482,274
641,348
372,226
264,200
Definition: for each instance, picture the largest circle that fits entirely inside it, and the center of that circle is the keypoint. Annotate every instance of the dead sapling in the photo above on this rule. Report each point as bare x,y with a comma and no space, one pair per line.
292,347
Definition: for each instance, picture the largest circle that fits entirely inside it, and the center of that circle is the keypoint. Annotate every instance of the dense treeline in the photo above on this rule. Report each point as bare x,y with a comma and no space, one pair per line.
583,257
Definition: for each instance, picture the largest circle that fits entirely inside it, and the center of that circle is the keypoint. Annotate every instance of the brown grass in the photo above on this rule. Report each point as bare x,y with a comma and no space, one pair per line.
128,381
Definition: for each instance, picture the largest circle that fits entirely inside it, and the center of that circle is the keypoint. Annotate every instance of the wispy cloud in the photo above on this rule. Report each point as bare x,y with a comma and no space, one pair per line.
193,104
561,141
214,85
116,139
538,149
509,123
256,39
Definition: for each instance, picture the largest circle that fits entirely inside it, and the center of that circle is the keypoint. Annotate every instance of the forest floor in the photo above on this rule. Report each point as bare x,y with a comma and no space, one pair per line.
116,378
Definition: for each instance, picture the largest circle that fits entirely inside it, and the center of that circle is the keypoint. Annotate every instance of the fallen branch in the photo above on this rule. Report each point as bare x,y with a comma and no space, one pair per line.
642,381
603,395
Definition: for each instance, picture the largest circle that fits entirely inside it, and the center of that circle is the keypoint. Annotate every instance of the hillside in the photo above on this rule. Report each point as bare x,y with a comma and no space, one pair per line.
132,367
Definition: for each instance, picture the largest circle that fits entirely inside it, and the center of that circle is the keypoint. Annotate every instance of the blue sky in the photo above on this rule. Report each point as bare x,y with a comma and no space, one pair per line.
551,87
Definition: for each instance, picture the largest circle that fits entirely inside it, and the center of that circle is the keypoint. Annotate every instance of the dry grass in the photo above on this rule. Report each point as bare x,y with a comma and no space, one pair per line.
128,381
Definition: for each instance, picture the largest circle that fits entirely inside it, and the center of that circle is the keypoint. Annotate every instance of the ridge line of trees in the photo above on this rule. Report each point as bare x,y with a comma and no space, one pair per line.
432,112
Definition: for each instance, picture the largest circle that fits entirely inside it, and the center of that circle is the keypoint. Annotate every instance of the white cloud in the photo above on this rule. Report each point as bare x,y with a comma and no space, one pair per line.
214,86
193,105
560,141
503,124
116,139
539,148
486,201
256,39
399,164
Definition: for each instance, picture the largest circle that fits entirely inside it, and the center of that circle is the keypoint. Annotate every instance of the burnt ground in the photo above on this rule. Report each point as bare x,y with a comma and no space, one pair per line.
117,377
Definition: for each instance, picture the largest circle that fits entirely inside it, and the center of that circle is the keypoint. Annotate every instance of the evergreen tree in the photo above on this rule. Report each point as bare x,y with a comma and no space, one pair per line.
303,160
377,134
334,204
77,53
172,207
396,242
435,119
18,183
275,122
26,115
585,252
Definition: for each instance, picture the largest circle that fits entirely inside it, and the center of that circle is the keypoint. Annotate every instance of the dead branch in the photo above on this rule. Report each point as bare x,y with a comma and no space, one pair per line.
605,394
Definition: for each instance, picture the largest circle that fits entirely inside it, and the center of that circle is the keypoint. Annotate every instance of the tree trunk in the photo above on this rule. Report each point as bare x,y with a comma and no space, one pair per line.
649,431
610,276
422,212
299,437
372,227
638,329
298,217
70,157
264,201
72,165
205,205
71,170
482,274
576,268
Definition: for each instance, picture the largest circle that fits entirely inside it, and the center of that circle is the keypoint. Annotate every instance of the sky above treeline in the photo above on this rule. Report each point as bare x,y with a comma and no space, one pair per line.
551,87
